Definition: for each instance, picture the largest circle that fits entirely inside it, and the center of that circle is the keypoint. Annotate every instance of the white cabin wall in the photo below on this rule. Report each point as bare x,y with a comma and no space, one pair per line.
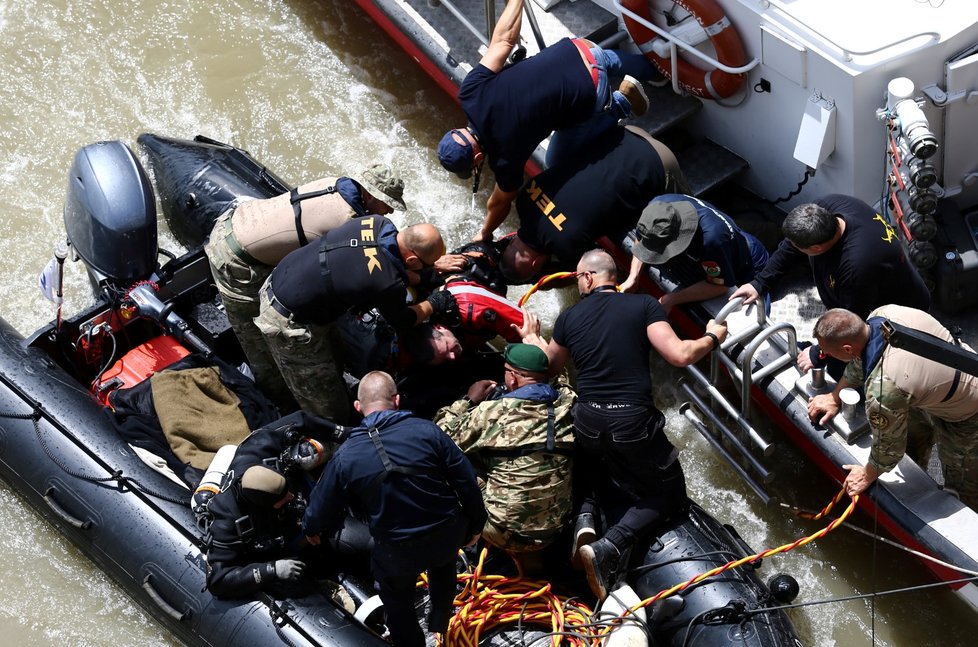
764,128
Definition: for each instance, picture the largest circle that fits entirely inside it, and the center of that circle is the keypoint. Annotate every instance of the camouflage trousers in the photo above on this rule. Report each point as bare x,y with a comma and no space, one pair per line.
238,282
518,541
958,451
307,357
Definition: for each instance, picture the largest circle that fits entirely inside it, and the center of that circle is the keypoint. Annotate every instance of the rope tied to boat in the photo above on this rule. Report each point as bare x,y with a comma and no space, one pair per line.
118,476
487,602
801,541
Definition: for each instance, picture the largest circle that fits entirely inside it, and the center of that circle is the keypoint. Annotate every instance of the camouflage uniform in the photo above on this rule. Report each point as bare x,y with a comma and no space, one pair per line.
306,356
907,404
269,229
528,495
238,281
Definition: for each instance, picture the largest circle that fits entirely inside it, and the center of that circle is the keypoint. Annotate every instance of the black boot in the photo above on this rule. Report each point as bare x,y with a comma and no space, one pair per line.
584,533
602,563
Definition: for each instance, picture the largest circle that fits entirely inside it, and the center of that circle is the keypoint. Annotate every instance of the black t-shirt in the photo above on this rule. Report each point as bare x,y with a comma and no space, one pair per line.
516,109
865,269
328,277
607,336
601,191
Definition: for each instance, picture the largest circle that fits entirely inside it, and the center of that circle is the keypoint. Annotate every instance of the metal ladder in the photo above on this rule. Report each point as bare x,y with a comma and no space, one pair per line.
743,372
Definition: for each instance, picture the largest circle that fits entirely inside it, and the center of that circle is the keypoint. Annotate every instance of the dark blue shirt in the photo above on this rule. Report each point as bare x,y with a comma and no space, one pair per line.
403,505
516,109
720,252
349,190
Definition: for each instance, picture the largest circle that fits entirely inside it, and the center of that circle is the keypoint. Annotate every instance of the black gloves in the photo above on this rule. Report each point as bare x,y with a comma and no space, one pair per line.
443,303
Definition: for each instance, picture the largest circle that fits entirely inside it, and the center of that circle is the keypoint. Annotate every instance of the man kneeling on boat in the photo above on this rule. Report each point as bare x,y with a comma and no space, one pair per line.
520,443
697,246
909,399
633,469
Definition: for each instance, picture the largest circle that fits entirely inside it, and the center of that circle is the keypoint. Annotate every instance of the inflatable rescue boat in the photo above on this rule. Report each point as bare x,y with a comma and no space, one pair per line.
132,515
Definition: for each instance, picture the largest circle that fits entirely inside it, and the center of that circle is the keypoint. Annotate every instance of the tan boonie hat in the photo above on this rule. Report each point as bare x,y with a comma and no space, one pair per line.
664,231
382,184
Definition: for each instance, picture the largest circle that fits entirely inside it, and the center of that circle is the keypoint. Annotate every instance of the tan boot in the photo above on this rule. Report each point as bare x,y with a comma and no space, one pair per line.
632,89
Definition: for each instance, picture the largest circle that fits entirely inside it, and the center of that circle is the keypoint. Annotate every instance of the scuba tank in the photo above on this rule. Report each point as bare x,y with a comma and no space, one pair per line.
210,485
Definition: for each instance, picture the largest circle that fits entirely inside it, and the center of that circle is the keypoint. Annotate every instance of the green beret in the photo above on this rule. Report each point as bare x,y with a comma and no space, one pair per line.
527,357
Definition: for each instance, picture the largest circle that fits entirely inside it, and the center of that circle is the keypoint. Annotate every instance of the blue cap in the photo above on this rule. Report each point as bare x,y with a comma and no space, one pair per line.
455,157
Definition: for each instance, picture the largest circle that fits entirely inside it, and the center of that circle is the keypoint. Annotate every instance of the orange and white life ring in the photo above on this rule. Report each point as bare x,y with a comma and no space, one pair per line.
708,84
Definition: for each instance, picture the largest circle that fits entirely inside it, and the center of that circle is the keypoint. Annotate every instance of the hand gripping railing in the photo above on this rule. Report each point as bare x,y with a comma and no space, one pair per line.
490,10
760,331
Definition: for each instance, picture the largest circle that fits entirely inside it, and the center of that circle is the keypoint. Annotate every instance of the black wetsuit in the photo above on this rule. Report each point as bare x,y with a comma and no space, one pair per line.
245,540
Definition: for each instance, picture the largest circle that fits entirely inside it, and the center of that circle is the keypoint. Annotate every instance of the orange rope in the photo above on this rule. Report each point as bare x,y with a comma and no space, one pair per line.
835,523
487,602
556,276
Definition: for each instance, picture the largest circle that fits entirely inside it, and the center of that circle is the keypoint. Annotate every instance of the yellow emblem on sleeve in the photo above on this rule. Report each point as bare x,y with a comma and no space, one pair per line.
879,421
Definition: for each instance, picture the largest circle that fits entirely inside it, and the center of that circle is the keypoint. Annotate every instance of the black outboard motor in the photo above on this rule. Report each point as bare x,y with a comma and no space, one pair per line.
110,215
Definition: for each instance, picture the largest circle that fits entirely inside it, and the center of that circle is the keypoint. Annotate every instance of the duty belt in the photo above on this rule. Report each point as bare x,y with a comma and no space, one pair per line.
238,250
277,305
610,406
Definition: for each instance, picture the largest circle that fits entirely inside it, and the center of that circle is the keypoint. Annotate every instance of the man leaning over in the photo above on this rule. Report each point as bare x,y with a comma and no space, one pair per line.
363,264
251,237
422,501
910,400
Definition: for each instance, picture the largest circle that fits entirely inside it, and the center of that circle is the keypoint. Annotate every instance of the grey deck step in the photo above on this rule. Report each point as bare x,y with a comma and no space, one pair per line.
666,109
708,165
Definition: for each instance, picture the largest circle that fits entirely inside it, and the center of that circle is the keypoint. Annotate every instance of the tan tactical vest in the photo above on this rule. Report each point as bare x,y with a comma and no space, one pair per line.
927,381
266,228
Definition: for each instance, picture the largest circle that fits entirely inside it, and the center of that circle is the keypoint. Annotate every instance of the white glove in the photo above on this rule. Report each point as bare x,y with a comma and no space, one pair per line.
289,570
